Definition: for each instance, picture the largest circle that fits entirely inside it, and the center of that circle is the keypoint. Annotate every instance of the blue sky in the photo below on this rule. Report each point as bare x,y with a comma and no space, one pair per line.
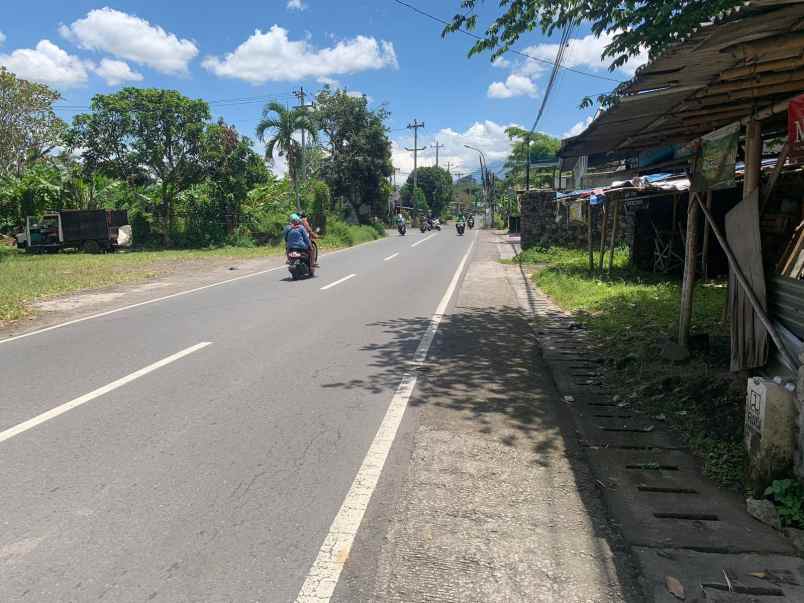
242,52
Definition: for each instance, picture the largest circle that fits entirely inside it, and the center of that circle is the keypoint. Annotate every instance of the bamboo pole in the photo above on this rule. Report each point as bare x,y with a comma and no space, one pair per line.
604,229
688,285
705,256
589,234
738,273
616,223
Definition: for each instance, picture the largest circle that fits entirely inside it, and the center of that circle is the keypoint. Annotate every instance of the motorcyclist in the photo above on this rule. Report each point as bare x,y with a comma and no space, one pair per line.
400,221
313,239
296,237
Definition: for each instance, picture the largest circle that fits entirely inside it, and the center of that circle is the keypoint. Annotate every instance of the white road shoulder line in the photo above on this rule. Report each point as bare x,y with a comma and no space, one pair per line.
323,577
67,406
338,282
391,257
417,243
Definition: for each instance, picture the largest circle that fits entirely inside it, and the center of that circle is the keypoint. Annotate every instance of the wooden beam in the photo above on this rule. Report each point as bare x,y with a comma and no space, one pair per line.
688,285
589,233
705,254
777,170
603,231
769,79
771,44
763,67
752,298
615,225
753,158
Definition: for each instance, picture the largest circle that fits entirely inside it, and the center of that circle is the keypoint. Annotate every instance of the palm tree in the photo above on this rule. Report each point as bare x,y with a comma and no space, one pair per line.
283,123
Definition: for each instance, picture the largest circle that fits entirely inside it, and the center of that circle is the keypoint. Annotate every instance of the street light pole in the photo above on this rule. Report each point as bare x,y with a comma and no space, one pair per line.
484,177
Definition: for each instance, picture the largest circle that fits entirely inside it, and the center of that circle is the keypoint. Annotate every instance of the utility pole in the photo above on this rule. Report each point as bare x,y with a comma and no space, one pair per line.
527,162
300,94
437,146
415,127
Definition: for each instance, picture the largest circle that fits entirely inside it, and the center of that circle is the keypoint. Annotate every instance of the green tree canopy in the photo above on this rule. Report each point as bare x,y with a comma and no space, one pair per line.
359,151
145,135
436,185
635,25
29,128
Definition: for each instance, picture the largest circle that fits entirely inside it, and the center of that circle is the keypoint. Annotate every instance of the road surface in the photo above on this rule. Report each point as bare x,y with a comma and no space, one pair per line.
215,446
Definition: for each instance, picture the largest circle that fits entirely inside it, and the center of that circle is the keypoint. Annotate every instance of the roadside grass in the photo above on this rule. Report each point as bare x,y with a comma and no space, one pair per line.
631,314
26,278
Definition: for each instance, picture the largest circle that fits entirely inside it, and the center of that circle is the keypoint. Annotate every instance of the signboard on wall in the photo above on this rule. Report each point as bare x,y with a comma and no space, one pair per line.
795,124
714,165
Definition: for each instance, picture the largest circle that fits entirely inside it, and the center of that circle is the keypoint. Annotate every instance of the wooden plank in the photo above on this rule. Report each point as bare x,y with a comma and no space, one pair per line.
705,255
688,285
603,232
615,225
589,234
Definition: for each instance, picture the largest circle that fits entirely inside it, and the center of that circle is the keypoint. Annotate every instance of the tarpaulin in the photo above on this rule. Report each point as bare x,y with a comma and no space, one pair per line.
714,165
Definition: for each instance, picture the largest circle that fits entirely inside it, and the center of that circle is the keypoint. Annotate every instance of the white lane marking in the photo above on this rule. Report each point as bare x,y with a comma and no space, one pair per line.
326,570
173,295
390,257
417,243
338,282
67,406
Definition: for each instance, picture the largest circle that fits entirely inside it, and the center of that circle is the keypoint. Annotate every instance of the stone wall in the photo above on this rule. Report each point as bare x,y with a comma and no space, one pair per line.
545,223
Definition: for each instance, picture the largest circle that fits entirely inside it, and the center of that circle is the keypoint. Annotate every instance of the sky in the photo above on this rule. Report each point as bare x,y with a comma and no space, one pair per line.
242,53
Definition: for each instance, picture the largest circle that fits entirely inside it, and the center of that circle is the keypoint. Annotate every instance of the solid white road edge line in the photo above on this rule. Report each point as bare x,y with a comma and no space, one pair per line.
417,243
173,295
67,406
323,576
390,257
338,282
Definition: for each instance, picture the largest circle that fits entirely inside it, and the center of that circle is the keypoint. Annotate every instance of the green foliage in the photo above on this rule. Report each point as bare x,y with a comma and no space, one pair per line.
634,25
788,495
140,134
359,158
283,124
29,128
341,234
543,147
436,185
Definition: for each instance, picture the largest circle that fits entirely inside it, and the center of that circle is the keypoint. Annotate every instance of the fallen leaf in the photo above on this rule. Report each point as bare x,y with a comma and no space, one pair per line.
760,575
674,587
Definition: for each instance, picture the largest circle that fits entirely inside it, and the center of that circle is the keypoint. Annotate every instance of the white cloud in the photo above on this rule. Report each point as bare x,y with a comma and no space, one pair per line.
272,56
328,81
131,38
577,128
48,64
583,52
296,5
117,72
501,62
515,85
487,136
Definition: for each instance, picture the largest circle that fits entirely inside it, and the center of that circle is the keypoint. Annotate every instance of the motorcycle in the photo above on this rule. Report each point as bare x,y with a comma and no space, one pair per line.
437,224
299,264
471,223
461,227
426,226
402,228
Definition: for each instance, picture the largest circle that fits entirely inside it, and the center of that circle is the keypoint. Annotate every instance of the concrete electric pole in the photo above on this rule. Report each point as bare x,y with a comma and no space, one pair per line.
415,127
300,94
437,146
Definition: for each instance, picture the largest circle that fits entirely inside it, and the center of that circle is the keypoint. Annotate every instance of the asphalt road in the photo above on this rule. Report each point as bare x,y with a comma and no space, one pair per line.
214,475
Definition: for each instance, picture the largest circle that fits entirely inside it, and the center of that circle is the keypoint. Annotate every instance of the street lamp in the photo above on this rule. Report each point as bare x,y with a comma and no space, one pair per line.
484,178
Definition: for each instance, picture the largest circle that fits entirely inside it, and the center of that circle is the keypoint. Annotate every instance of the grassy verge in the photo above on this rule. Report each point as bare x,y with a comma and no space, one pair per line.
25,278
629,314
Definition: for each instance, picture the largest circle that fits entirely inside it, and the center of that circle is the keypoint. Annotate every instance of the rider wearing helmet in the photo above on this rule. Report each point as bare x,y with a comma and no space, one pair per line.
296,237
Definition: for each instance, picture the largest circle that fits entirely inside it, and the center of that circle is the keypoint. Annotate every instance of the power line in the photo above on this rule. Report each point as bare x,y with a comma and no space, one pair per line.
512,50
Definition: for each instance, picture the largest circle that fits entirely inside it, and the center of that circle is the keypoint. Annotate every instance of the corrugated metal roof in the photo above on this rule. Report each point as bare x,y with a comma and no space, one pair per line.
692,88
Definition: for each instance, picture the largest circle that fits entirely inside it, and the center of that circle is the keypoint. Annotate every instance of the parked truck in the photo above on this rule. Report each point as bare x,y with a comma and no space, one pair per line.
90,230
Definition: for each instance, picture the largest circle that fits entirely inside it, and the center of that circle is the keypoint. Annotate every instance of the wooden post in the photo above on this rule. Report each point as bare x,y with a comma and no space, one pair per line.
777,170
753,158
688,286
615,225
706,237
604,228
752,298
589,232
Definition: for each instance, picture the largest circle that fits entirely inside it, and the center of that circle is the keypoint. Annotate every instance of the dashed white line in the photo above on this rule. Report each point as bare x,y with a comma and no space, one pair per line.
67,406
390,257
338,282
417,243
326,570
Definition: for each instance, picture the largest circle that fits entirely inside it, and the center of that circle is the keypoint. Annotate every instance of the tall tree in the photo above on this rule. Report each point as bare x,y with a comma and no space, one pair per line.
635,25
543,147
145,134
281,125
29,128
232,168
359,151
435,183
